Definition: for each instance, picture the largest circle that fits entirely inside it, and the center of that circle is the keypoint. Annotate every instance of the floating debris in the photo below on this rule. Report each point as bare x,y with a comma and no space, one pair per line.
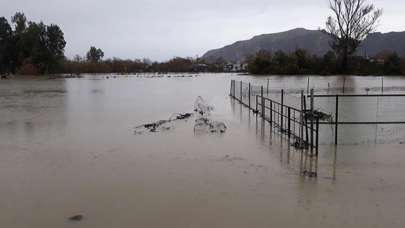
209,126
4,77
310,174
68,76
201,107
203,124
161,125
76,218
181,116
314,115
300,145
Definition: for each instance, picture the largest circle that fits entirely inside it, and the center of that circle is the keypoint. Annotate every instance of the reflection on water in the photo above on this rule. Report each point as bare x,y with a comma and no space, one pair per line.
300,161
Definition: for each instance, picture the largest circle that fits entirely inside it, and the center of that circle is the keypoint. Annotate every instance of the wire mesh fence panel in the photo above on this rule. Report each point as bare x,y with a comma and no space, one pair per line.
345,118
364,119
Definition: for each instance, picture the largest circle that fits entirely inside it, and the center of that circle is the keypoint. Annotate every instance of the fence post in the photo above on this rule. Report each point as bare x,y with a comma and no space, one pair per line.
230,90
337,119
234,89
317,136
263,105
289,122
312,119
257,103
302,117
249,98
282,109
271,111
241,98
306,122
382,85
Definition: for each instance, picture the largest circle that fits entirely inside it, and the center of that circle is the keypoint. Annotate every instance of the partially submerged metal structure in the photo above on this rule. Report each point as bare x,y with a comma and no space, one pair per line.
300,119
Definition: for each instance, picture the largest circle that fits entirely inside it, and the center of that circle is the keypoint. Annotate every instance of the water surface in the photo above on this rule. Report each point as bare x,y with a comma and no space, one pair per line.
67,147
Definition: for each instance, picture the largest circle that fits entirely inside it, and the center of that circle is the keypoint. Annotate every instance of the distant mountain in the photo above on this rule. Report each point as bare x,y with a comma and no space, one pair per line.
314,41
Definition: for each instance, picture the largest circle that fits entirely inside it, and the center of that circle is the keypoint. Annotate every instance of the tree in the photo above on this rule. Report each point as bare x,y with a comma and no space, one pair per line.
55,47
95,54
350,24
329,63
35,47
392,64
5,45
20,22
261,63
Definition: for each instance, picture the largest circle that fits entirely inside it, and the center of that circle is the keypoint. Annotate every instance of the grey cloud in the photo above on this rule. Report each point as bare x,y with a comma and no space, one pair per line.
161,29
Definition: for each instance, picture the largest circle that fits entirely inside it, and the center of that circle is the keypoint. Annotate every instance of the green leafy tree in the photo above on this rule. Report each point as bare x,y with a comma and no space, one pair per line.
94,54
55,47
5,45
20,22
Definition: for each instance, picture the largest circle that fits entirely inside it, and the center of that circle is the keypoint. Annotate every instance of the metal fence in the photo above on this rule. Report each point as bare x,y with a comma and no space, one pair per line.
352,118
296,123
361,102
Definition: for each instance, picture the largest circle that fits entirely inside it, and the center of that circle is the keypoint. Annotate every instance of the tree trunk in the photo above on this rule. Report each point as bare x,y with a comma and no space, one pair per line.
344,60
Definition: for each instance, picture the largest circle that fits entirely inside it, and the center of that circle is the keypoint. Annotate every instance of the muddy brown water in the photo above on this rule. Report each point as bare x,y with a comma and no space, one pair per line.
67,148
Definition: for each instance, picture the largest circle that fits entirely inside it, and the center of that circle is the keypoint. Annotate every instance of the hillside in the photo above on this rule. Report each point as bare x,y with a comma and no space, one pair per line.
314,41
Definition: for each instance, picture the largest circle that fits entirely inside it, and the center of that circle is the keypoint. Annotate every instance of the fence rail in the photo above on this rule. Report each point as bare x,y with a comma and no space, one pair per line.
336,122
290,121
295,122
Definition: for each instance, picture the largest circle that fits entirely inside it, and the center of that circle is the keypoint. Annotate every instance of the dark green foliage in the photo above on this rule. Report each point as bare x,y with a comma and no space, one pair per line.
32,48
392,64
5,45
78,65
299,62
94,55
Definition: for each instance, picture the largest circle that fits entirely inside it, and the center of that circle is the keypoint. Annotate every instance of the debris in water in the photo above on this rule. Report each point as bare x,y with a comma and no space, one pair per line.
203,124
201,107
76,218
310,174
4,77
161,125
314,115
206,125
181,116
300,145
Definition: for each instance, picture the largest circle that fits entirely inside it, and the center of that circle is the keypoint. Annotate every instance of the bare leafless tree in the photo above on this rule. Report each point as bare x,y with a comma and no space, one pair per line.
351,23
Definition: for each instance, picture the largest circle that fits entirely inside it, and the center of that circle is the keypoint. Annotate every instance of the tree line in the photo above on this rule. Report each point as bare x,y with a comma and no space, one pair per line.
301,62
27,47
80,65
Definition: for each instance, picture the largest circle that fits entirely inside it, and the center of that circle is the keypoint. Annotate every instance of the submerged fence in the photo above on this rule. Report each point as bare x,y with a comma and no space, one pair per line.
339,103
299,124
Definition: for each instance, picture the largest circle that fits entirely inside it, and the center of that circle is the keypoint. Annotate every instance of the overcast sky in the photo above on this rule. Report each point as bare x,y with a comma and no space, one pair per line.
161,29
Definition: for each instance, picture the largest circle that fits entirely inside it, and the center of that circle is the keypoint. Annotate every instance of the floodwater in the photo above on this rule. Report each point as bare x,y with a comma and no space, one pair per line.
67,147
